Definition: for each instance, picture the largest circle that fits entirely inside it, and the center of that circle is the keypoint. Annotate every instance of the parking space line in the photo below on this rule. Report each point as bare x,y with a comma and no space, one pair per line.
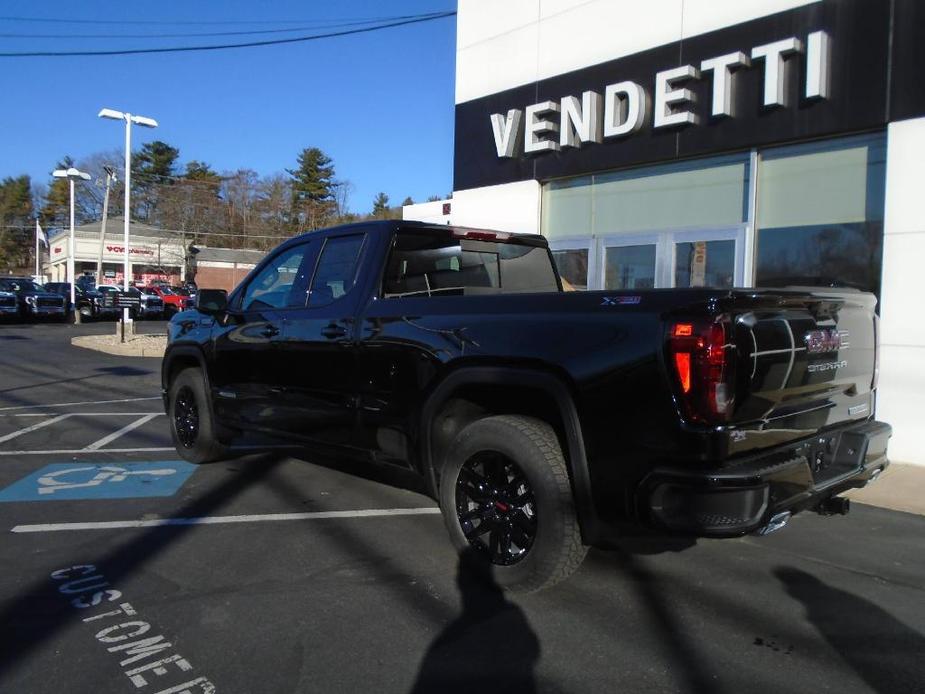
34,427
215,520
76,451
121,432
80,414
68,404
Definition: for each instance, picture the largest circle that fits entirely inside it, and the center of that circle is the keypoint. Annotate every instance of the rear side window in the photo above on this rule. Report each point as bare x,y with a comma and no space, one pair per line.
337,269
438,264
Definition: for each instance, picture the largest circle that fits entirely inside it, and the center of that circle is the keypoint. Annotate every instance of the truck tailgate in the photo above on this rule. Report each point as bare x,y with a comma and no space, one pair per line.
815,353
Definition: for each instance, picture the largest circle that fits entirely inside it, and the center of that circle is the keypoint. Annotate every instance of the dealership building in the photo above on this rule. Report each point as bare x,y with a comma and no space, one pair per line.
719,143
154,254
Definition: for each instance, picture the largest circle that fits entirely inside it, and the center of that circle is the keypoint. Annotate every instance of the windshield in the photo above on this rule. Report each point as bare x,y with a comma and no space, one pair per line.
179,291
166,291
20,285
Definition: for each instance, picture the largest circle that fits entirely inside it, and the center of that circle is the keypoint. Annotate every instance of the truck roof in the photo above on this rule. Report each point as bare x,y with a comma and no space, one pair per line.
384,226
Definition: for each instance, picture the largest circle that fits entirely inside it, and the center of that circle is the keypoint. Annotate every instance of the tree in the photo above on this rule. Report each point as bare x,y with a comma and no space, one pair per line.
56,209
407,201
200,171
16,222
381,206
153,166
313,189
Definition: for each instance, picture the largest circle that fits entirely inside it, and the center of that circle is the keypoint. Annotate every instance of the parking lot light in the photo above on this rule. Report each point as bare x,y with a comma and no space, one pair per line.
71,175
145,122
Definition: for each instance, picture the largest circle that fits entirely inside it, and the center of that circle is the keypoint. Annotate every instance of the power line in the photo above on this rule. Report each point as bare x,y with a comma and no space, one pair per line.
217,47
210,33
181,22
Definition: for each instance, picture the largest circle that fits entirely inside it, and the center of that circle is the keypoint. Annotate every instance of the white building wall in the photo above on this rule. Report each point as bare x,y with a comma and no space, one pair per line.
901,396
500,45
511,207
431,212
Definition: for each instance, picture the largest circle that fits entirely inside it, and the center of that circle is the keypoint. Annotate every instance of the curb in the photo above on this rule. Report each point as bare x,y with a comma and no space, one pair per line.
901,487
139,346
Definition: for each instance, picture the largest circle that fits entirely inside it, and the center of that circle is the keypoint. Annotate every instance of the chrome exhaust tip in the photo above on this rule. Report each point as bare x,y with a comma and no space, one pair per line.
875,475
778,521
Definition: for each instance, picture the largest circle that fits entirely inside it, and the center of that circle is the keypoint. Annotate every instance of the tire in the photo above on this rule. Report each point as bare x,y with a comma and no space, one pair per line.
187,400
501,450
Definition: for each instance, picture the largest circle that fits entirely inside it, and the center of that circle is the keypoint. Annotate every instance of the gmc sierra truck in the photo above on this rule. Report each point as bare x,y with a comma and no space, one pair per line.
542,421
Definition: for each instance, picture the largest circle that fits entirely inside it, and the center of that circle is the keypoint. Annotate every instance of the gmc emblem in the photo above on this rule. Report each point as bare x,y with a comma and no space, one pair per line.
822,341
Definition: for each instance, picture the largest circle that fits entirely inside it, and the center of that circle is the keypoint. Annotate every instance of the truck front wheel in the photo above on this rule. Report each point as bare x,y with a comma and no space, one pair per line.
196,435
504,491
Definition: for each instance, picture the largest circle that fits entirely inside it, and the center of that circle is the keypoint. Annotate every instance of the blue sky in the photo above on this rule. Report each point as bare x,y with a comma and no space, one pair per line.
380,104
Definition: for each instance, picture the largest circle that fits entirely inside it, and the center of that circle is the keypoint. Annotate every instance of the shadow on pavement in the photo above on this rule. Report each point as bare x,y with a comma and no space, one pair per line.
104,371
888,655
489,647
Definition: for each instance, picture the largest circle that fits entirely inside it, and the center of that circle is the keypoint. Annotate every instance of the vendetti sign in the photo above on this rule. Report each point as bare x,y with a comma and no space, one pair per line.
622,108
816,70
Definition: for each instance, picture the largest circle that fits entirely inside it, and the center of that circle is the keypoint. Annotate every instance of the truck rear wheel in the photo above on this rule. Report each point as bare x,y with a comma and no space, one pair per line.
504,491
193,429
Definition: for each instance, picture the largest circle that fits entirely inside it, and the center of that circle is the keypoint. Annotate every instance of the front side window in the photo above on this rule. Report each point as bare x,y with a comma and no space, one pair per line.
336,271
280,284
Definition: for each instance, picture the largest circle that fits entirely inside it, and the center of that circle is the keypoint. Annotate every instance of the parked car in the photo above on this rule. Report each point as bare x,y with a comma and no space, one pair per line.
187,289
542,421
173,302
32,301
89,303
150,305
9,306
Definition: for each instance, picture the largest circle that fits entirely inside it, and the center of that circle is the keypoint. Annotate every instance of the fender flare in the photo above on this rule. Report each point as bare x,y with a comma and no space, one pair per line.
183,350
540,380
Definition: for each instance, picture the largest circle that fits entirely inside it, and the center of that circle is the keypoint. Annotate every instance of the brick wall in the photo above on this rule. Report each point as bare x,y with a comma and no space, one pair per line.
226,278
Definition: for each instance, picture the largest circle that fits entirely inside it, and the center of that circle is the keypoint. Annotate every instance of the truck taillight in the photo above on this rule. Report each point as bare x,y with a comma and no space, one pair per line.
702,362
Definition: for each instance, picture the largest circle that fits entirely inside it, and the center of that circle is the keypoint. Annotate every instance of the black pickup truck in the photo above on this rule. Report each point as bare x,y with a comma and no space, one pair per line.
543,421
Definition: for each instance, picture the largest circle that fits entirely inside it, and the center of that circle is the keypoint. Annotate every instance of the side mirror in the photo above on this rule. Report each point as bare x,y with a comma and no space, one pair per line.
212,302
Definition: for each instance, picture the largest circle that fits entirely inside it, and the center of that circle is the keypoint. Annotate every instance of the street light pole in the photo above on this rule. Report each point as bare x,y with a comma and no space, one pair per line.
147,123
72,175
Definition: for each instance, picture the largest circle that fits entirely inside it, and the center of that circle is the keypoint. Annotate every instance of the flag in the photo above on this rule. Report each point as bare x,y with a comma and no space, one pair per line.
40,235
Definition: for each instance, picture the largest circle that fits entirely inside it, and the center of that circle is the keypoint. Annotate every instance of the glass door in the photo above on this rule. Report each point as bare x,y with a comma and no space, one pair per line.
631,261
572,258
706,258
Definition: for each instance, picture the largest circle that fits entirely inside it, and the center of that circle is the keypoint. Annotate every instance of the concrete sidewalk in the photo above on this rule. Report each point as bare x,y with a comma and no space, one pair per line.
901,487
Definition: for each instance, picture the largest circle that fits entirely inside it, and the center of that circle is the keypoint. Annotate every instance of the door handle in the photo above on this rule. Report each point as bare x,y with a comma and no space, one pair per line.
333,330
269,331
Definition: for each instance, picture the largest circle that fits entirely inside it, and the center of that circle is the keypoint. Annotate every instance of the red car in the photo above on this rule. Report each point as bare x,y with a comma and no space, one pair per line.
173,302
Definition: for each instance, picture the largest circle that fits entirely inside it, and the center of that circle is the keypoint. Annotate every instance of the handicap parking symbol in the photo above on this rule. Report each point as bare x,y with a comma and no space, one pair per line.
68,481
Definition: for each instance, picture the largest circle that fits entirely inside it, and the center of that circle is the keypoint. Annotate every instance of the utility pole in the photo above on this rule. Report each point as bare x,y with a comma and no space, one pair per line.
110,179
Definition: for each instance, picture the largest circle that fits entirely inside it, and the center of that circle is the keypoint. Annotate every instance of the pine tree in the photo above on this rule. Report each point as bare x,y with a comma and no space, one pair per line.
153,166
407,201
313,189
381,206
16,222
56,210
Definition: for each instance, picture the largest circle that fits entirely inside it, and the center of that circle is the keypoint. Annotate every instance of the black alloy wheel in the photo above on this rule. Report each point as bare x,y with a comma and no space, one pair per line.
186,417
504,491
496,507
196,434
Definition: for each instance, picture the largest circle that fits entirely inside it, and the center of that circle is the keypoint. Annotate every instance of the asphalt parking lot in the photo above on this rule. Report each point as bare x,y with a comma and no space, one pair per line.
127,570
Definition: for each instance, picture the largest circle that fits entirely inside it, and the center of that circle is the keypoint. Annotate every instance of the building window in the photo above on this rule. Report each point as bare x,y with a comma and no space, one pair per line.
673,225
820,214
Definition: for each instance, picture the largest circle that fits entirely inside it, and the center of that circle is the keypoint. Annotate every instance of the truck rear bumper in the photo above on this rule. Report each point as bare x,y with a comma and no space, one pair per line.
746,494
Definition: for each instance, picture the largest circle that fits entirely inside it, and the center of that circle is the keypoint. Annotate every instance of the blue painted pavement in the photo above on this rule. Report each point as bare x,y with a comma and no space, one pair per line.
82,480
